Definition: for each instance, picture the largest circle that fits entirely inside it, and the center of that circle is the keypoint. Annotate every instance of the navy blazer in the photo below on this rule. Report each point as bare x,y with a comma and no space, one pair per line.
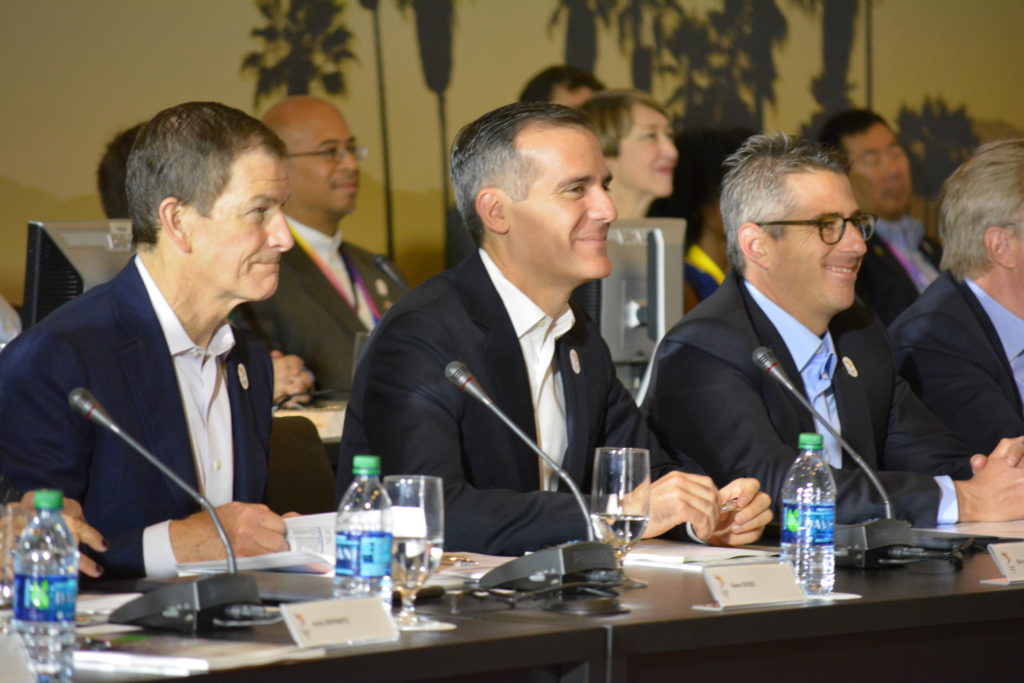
110,341
948,350
882,283
405,410
708,398
307,317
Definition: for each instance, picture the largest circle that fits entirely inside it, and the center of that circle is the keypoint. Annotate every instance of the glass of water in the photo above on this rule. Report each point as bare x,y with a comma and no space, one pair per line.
620,501
417,515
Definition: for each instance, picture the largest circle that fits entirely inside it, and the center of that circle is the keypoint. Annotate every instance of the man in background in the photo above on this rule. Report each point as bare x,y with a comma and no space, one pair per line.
960,344
566,85
332,292
901,261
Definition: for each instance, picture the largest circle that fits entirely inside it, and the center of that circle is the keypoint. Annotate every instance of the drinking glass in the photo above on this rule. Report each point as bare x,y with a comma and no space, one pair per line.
417,516
620,501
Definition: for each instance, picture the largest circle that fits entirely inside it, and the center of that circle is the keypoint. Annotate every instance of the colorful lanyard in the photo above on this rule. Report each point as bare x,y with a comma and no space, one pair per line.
358,283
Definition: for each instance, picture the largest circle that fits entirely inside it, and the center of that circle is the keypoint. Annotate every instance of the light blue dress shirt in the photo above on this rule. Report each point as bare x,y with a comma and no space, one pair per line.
1009,329
906,235
815,357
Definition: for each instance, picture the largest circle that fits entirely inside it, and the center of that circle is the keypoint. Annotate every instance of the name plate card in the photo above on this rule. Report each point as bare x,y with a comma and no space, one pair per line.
324,623
750,585
1009,558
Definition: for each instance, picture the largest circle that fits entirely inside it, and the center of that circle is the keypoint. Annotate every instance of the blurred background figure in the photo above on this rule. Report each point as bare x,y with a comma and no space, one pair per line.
565,85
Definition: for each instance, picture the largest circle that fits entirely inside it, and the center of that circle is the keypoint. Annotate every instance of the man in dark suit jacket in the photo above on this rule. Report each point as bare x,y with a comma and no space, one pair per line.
900,260
532,184
960,344
331,290
796,239
209,230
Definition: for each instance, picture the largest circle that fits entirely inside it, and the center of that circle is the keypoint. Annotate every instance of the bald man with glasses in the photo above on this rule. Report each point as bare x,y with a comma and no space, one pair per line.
796,239
331,291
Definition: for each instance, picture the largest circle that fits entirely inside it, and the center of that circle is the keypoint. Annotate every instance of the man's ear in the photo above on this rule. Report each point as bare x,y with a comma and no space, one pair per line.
753,242
492,207
1001,246
173,218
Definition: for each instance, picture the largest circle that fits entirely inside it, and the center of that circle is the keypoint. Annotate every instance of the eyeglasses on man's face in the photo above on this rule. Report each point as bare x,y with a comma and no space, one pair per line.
335,154
832,227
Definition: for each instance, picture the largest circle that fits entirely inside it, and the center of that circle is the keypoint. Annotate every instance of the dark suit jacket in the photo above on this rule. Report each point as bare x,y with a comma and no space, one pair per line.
110,341
404,410
307,317
949,352
708,398
883,285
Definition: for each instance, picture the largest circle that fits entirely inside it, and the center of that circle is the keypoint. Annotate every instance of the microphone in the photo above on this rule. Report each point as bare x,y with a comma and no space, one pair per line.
384,265
863,544
549,565
187,606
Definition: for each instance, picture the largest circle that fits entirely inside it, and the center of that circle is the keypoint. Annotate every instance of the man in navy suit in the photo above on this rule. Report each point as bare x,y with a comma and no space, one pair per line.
531,183
796,238
206,184
960,345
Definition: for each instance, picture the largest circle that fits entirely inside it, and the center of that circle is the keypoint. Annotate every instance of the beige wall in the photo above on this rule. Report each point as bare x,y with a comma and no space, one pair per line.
74,72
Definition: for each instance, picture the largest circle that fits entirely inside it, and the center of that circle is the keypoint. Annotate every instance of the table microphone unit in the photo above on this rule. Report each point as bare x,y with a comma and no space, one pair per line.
878,543
190,606
579,560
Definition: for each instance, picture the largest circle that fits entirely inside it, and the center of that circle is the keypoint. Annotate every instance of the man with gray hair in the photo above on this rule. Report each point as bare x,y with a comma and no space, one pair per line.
532,186
795,241
960,345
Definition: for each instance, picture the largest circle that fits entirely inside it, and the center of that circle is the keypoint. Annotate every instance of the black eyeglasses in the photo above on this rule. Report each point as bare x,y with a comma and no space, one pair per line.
832,227
336,154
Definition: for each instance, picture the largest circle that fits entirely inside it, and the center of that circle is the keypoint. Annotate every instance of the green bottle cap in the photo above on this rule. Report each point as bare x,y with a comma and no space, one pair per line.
366,464
49,499
813,442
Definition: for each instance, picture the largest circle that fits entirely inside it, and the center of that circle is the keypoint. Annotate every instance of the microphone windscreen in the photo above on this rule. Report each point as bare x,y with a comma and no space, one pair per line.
764,358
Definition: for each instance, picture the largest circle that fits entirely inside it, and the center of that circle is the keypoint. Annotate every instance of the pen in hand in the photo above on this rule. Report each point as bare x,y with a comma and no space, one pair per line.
730,505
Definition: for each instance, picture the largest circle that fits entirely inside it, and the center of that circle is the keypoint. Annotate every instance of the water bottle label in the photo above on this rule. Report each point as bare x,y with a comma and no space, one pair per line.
816,522
45,598
364,554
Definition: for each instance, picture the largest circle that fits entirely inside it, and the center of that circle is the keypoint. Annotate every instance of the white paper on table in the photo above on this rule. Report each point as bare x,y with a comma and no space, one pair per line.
689,556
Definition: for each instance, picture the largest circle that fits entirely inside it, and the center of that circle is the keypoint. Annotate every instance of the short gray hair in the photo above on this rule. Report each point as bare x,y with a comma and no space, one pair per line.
484,154
986,191
754,187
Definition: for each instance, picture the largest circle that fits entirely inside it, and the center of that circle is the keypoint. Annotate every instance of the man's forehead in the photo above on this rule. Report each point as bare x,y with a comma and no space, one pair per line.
560,146
822,188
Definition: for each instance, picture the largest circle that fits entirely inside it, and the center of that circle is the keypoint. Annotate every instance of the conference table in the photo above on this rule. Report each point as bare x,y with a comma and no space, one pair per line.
922,622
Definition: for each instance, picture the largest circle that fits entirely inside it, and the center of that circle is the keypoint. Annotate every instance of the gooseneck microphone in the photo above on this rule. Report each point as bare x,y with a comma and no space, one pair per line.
459,375
189,606
384,265
765,359
869,544
85,404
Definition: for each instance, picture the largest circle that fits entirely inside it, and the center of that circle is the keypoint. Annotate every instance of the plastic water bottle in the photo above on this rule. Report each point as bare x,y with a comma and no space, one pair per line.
45,588
809,518
363,540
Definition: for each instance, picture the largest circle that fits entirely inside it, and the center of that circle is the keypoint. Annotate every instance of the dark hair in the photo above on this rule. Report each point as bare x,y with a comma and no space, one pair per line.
484,154
697,180
541,86
849,122
110,174
187,152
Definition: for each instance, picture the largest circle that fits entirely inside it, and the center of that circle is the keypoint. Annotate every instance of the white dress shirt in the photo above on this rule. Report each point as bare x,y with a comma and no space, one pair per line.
537,333
328,249
204,397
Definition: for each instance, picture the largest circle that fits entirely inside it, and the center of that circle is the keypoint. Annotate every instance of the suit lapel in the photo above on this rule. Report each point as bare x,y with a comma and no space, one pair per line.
574,385
154,385
250,473
1005,378
383,292
852,406
322,291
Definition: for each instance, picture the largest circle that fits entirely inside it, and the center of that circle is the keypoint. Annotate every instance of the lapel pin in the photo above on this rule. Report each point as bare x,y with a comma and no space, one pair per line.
851,369
381,286
574,361
243,377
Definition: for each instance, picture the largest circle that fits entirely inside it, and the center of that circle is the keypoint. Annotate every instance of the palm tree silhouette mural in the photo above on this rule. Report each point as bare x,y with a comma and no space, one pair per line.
304,44
435,23
581,20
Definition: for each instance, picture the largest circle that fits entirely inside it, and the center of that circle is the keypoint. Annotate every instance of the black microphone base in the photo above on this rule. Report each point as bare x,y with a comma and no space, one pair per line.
865,545
188,606
567,563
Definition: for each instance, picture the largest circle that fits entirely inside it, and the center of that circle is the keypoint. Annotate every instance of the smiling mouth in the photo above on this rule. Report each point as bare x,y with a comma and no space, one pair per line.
843,270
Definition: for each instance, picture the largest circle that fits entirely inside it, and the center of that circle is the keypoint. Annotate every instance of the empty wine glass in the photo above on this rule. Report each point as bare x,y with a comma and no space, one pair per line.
417,516
620,503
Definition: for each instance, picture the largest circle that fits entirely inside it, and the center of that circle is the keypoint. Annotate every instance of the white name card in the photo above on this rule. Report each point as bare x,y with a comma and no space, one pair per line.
1009,558
323,623
748,585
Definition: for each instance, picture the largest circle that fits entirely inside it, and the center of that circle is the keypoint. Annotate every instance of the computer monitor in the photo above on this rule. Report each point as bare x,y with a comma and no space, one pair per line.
66,258
643,296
